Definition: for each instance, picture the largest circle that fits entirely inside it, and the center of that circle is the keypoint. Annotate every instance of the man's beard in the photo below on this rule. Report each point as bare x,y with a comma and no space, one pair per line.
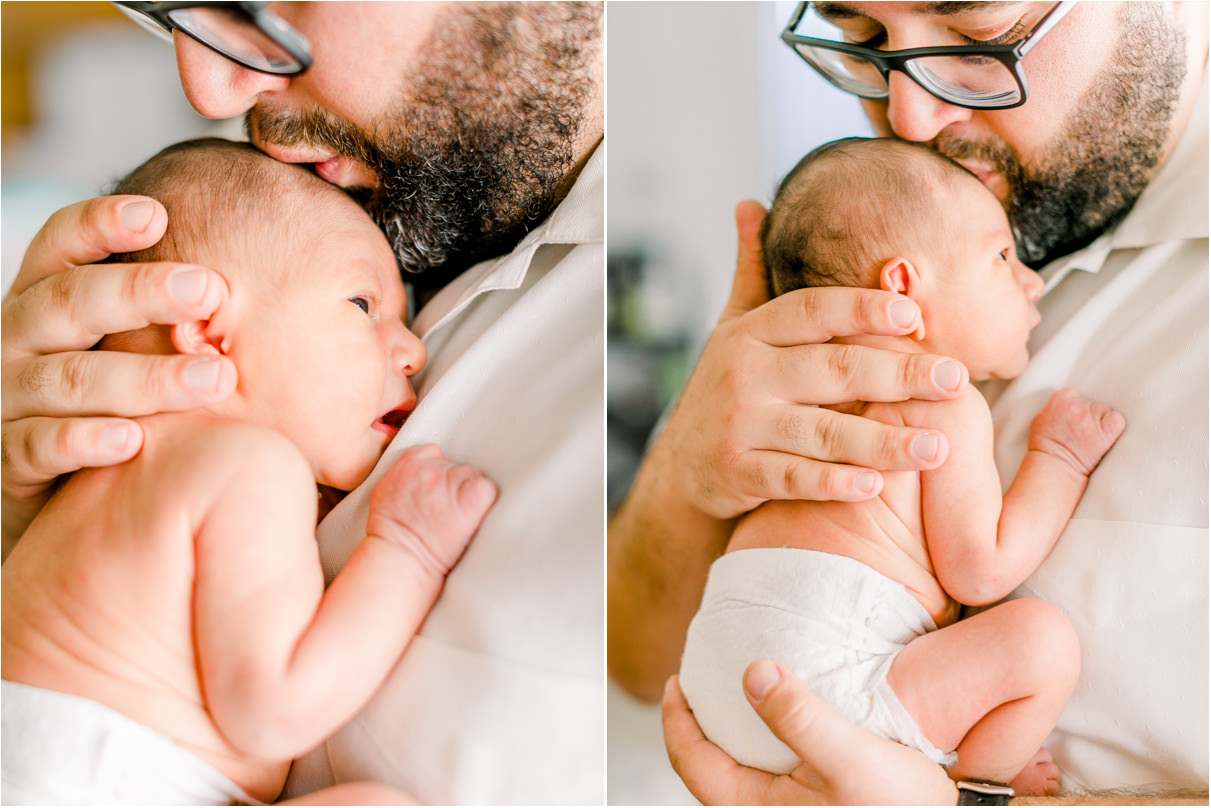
482,142
1109,149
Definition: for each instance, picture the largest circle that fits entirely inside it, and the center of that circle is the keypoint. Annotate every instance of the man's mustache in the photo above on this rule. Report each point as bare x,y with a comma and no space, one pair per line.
314,128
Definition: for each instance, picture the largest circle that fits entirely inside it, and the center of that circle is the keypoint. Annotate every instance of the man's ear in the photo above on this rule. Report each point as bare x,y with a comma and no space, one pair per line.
901,276
197,338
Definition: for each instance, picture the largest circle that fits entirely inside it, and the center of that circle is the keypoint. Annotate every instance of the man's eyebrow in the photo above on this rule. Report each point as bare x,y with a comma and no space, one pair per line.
942,8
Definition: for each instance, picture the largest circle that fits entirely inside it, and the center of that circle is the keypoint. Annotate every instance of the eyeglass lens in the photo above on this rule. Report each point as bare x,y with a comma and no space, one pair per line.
973,79
234,34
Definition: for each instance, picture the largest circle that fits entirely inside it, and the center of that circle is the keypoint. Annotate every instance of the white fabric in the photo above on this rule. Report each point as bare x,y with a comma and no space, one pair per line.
833,621
501,698
66,750
1125,322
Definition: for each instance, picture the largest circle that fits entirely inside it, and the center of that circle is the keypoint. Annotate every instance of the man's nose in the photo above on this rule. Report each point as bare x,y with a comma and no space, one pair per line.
216,86
916,115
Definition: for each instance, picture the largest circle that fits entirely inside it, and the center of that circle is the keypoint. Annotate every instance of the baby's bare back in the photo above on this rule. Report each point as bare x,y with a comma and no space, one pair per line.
98,603
886,533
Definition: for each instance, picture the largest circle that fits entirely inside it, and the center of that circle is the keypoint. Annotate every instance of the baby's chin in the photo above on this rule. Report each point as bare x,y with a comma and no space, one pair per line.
349,476
1010,370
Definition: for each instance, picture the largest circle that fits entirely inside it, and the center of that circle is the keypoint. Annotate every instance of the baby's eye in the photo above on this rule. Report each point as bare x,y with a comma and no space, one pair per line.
1005,254
361,302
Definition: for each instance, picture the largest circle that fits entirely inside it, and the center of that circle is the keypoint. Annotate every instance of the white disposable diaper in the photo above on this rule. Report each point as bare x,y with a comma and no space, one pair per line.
835,622
66,750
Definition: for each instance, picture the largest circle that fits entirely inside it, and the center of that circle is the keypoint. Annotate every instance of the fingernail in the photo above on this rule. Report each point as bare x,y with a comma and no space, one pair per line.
202,374
114,438
865,482
947,375
903,313
925,447
137,215
762,677
188,286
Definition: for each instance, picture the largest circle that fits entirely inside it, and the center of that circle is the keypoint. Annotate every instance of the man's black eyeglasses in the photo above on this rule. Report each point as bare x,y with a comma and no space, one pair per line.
246,33
971,76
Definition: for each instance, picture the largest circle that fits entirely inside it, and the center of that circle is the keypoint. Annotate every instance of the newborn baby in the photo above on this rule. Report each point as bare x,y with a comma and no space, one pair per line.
861,599
168,638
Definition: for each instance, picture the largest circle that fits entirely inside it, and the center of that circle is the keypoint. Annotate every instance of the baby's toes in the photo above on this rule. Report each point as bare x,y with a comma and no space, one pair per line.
1040,777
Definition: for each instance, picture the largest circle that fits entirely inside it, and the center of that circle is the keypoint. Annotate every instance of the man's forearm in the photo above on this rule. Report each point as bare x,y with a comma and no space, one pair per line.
1108,801
660,550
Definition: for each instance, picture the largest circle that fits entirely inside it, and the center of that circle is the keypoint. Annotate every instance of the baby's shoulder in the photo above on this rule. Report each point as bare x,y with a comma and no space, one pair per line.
197,454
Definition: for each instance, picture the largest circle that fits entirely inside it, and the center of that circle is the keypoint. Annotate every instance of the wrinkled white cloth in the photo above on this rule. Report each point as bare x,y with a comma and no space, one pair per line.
833,621
1125,323
60,749
501,698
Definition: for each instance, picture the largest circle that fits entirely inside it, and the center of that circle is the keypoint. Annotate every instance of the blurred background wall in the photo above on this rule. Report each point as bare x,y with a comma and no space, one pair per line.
705,107
86,96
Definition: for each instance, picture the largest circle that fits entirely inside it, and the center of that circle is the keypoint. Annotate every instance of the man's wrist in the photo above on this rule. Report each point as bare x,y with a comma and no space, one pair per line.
983,792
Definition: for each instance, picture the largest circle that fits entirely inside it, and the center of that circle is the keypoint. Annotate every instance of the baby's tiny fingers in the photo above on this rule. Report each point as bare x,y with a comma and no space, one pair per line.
476,492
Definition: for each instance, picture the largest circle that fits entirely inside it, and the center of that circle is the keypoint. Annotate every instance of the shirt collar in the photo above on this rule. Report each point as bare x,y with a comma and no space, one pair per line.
578,219
1173,206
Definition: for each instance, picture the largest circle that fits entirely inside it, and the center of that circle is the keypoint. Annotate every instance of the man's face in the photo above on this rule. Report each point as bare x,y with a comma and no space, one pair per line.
1104,86
454,123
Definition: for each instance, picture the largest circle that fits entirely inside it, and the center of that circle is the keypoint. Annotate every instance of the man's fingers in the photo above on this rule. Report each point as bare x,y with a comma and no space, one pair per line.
86,232
709,772
37,450
834,437
75,308
818,314
749,287
113,384
839,373
836,753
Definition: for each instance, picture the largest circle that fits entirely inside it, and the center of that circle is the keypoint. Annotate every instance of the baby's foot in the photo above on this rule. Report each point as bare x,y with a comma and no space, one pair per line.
1076,431
1041,777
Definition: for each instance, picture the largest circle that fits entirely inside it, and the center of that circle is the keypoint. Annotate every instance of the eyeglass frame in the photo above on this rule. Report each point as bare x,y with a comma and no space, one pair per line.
1009,54
280,32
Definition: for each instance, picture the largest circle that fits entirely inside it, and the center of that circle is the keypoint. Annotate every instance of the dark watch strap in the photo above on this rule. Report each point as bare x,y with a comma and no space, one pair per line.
976,792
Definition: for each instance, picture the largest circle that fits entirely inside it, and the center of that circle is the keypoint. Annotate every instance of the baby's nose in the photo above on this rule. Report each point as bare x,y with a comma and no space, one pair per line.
409,353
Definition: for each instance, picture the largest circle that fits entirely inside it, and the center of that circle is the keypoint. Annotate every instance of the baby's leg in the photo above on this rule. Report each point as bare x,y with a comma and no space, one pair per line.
991,687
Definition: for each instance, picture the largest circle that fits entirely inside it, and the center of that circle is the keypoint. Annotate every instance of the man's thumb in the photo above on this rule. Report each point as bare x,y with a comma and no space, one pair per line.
749,289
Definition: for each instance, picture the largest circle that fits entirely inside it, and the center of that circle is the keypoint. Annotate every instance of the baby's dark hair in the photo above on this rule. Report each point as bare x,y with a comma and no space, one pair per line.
847,206
214,188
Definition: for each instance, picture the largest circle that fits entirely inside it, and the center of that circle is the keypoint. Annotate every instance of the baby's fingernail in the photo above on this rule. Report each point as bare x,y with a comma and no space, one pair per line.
925,447
761,678
947,375
202,374
188,286
903,313
137,215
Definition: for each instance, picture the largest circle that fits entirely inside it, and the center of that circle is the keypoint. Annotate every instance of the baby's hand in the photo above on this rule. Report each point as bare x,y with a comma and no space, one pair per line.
1076,431
430,506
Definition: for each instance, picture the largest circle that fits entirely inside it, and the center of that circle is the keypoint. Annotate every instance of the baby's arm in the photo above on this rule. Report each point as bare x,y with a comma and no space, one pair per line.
983,546
283,662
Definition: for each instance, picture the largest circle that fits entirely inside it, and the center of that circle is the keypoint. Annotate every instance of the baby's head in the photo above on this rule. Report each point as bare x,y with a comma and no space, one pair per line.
314,319
885,213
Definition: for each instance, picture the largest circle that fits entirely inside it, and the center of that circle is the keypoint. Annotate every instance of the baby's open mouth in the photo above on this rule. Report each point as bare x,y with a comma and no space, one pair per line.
390,422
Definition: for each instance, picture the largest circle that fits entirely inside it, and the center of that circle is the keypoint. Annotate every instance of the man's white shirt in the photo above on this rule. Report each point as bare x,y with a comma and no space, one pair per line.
500,699
1125,323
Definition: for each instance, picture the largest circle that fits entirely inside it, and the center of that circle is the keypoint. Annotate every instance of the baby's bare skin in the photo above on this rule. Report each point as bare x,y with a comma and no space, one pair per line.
229,643
951,539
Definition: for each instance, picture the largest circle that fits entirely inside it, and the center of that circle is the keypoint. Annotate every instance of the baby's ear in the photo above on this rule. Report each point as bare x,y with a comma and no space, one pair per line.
901,276
196,338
